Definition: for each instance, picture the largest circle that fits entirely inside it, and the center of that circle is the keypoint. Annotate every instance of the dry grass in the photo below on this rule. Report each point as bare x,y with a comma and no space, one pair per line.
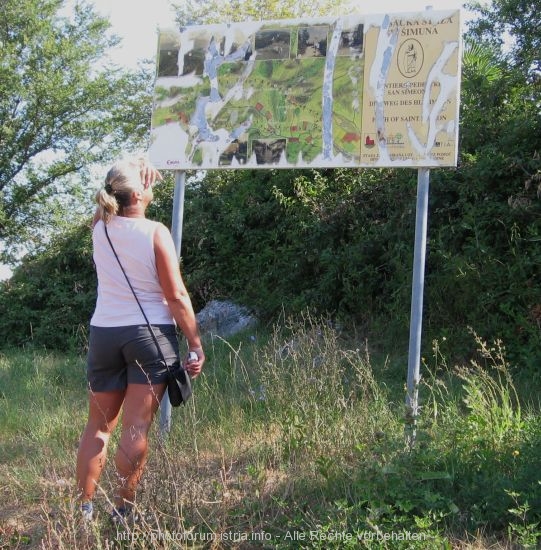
287,437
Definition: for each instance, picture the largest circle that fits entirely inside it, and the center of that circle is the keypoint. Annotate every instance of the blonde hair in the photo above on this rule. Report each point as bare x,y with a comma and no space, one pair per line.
123,178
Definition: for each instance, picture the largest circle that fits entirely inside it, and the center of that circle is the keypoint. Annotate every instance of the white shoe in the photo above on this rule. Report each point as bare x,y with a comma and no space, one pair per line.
87,510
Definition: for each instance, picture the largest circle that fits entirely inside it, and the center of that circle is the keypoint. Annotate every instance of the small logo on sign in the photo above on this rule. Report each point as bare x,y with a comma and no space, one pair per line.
410,58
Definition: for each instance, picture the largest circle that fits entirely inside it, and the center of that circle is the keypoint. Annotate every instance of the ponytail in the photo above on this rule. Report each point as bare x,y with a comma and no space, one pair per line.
122,179
107,205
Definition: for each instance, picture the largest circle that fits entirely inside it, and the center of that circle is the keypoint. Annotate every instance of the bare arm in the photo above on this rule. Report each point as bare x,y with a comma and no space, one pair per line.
176,294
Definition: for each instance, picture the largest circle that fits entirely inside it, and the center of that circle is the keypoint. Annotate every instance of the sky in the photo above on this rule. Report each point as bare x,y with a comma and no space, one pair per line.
137,23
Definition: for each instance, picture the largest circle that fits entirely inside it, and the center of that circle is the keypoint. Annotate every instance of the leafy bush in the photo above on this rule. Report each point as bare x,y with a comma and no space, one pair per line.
49,299
330,240
338,242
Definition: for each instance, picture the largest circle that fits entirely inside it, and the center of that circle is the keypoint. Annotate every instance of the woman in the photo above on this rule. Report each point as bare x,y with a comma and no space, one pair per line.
124,367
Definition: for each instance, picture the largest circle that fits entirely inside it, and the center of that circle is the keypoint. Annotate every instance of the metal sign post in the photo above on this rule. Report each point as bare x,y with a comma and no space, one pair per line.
416,320
176,232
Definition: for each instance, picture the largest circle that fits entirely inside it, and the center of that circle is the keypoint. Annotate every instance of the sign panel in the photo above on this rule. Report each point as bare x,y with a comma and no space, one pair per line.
355,91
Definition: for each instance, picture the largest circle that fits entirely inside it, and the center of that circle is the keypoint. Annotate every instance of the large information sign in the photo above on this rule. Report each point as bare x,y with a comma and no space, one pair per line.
355,91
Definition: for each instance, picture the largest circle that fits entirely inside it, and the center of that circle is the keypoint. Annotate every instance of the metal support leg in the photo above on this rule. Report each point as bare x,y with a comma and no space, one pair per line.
416,321
176,232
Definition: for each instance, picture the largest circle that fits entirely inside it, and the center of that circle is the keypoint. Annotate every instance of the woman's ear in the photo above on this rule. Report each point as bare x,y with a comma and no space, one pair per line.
136,196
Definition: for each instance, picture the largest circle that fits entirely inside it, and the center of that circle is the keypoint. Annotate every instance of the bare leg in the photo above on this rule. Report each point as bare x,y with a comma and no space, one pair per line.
140,405
104,408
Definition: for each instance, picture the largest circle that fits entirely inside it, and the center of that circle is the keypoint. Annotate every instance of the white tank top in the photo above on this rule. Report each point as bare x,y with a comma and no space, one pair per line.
133,239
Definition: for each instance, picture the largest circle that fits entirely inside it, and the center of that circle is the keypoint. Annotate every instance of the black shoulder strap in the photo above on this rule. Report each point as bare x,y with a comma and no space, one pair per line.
136,298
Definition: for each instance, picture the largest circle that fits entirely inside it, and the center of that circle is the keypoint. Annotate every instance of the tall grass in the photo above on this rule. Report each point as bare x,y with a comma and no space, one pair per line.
293,439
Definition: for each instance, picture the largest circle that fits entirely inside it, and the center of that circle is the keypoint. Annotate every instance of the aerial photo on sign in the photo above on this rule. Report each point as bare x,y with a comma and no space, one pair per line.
374,91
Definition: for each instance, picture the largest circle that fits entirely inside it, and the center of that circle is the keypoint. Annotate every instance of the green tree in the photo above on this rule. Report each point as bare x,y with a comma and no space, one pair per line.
485,85
197,12
501,115
512,26
61,109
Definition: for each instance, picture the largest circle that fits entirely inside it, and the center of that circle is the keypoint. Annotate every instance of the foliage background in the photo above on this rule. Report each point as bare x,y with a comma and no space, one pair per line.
340,242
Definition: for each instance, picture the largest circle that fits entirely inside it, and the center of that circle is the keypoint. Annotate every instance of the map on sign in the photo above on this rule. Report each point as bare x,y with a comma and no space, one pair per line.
325,92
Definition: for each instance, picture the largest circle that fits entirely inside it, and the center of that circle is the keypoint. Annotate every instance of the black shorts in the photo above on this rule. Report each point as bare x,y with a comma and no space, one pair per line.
118,356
